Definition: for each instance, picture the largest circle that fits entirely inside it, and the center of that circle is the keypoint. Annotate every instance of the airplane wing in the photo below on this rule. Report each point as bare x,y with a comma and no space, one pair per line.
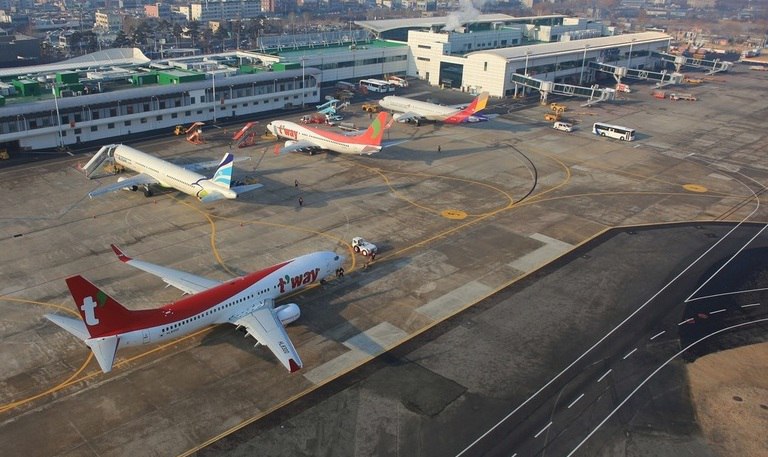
186,282
211,164
263,324
297,146
138,180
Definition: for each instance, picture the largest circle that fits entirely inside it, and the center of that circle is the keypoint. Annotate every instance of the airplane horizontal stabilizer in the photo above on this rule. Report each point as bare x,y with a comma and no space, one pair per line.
240,190
71,325
104,349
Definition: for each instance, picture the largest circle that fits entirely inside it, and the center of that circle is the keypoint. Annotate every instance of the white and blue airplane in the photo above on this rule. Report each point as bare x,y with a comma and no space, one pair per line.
155,171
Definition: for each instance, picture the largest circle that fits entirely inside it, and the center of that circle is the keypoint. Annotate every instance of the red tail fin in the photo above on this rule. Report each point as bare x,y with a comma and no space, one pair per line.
478,104
103,316
375,132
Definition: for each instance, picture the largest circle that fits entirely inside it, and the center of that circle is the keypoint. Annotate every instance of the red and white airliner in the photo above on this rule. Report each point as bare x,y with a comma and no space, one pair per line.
247,301
312,139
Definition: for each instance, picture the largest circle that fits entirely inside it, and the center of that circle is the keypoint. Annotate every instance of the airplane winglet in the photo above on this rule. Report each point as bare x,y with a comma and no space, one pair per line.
293,366
120,254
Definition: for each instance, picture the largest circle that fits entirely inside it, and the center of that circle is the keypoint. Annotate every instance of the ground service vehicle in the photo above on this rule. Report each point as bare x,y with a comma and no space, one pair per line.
398,81
689,97
371,107
373,85
563,126
558,108
613,131
363,247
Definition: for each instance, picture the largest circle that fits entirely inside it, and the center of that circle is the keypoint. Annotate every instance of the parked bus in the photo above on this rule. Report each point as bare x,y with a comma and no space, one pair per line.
343,85
613,131
377,85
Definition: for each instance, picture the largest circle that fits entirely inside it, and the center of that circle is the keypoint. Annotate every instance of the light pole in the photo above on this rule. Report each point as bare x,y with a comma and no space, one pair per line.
303,83
629,60
583,63
58,116
525,71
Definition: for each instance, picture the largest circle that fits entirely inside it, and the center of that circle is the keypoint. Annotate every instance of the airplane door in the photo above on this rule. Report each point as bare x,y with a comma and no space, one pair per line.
145,339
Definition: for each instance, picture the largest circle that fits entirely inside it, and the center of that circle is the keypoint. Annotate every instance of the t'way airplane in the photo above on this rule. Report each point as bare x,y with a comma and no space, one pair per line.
414,110
247,301
312,139
153,170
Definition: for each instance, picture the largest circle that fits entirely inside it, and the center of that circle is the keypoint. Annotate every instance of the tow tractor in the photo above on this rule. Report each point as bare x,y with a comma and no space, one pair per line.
363,247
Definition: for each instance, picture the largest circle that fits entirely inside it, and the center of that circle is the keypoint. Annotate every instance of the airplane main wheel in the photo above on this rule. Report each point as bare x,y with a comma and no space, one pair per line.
147,193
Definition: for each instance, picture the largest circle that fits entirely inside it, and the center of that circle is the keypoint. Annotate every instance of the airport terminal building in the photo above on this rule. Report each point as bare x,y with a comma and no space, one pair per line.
119,93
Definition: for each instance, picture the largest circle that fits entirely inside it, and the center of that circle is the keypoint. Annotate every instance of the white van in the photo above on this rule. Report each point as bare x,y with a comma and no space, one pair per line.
564,126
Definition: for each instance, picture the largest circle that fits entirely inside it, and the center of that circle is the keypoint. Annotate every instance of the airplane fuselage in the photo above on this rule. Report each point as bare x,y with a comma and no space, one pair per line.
424,110
225,302
330,141
168,174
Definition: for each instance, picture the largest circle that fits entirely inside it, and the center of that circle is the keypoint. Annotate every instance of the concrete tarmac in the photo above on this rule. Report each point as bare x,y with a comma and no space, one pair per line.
500,200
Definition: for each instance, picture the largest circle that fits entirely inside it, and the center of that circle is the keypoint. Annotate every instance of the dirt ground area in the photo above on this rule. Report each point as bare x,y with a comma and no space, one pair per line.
730,395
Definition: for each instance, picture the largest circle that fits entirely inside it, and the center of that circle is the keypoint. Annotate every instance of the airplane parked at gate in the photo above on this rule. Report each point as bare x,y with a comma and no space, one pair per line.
247,301
312,139
155,171
414,110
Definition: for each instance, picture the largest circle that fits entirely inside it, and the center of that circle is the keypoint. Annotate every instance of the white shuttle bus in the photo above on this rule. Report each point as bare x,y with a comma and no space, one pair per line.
613,131
377,85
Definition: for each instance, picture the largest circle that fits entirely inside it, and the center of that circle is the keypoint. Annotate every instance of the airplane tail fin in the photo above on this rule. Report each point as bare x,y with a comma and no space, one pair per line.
101,314
223,175
375,132
103,318
477,105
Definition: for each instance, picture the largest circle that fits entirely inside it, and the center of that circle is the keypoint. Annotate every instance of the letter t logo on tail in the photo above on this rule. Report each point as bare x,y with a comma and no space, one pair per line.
89,307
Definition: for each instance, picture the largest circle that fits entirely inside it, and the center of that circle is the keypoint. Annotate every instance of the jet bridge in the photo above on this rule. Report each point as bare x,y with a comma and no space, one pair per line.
104,154
712,66
594,93
662,78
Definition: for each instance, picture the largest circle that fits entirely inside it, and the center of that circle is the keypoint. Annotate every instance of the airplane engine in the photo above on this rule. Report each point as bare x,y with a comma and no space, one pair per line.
288,313
131,188
399,117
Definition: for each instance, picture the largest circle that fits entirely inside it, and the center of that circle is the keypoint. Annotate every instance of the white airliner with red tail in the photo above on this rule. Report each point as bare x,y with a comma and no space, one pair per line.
247,301
311,139
415,110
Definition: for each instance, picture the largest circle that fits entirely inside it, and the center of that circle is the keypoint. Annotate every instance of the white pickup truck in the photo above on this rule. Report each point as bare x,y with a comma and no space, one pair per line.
363,247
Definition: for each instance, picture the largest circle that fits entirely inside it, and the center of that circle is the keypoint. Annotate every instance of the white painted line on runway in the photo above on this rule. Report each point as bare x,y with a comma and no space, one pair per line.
605,374
750,305
543,429
690,319
658,335
648,378
629,353
574,401
737,292
608,334
718,311
759,232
